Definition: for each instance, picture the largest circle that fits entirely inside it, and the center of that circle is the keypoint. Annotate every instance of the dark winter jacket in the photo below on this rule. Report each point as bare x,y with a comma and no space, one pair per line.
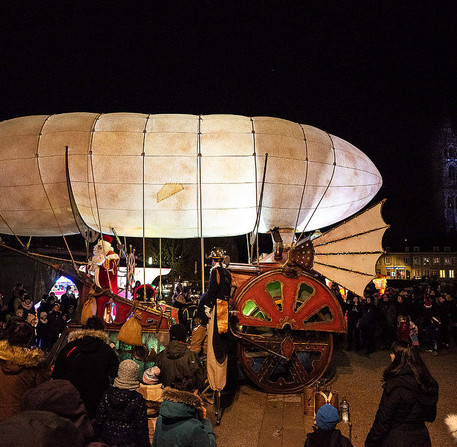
20,369
178,424
43,335
39,429
177,361
63,399
403,410
121,419
219,288
368,320
386,313
354,313
56,322
327,438
89,363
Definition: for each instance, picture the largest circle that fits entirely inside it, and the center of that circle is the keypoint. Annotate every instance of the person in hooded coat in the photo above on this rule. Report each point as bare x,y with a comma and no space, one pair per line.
21,368
182,417
40,429
88,362
121,417
177,360
63,399
408,401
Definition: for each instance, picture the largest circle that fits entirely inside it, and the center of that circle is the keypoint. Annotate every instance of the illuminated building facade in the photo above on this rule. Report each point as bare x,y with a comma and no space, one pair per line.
415,263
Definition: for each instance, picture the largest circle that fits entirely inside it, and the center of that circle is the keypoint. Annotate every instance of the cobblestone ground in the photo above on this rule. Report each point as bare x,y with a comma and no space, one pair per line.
254,418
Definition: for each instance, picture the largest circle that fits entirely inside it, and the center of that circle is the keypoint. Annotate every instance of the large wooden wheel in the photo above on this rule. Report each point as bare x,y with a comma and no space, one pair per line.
284,328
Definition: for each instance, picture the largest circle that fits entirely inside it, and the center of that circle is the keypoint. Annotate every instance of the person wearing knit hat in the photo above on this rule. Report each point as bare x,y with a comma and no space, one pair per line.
151,388
151,376
326,433
121,417
327,417
61,398
127,376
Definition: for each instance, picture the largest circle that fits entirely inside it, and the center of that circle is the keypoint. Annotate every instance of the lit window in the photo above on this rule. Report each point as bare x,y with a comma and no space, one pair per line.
442,273
436,261
426,261
388,260
447,261
451,273
417,260
406,259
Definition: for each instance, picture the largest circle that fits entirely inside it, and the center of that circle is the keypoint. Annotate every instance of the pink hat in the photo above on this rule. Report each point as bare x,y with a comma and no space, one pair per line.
151,376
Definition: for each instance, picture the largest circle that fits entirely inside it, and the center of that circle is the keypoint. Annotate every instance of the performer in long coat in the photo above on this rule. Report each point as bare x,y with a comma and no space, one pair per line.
105,264
215,303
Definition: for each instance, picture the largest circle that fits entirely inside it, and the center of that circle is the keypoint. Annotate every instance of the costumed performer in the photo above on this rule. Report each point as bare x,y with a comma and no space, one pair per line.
105,264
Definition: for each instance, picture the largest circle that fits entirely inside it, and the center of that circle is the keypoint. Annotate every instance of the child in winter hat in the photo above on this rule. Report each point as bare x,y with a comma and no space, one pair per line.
127,375
326,433
151,388
151,376
327,417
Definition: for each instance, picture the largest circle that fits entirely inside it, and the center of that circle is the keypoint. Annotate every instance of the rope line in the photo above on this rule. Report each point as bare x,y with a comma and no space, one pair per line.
304,184
12,231
143,155
200,201
254,154
325,192
98,214
37,157
92,132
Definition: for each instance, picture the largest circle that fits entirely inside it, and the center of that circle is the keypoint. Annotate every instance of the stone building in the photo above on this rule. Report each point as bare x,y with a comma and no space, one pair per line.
445,178
416,262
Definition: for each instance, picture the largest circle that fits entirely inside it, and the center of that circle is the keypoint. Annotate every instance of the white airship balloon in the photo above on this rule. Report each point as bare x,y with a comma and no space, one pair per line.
183,173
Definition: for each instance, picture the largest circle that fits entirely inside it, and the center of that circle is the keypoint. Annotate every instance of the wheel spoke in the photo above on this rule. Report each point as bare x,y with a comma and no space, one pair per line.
307,363
297,370
293,347
268,366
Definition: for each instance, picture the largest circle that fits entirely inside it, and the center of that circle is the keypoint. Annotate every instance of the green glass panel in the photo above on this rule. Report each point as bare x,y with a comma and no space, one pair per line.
251,310
304,293
275,290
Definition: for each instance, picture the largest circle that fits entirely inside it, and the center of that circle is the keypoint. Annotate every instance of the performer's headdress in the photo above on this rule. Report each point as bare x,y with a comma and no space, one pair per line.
217,253
107,238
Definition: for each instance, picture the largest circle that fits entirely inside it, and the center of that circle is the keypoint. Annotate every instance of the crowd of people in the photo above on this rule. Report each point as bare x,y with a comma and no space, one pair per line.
88,398
424,316
48,318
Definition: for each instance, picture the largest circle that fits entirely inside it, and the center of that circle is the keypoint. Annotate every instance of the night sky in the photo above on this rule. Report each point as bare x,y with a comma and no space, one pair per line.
382,75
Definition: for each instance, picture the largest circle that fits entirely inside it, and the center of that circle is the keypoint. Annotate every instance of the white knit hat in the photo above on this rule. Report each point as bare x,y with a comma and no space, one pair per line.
127,375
